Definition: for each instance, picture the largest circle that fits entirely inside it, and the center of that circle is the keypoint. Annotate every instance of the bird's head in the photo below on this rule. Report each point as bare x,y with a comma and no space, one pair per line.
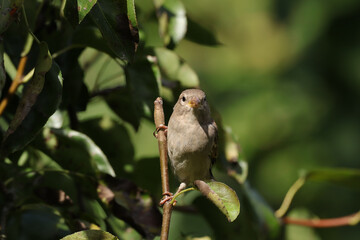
193,100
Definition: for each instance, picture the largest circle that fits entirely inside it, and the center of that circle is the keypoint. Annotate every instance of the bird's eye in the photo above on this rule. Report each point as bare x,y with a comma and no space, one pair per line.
204,99
183,99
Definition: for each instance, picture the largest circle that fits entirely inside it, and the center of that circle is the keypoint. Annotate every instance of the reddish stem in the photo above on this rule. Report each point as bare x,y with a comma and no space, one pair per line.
322,223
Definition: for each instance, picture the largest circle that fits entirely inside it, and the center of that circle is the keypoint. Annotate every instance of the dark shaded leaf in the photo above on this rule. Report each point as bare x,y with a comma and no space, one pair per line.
75,93
93,208
59,181
135,101
135,206
113,138
9,10
345,177
90,36
40,100
74,151
172,22
118,25
91,235
198,34
222,196
36,222
261,215
71,12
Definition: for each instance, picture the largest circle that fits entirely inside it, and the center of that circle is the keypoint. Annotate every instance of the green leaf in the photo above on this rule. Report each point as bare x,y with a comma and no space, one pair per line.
2,67
222,196
90,235
118,25
36,221
136,100
59,181
198,34
176,69
74,151
345,177
90,36
172,22
84,7
261,213
75,92
120,228
93,208
39,101
114,139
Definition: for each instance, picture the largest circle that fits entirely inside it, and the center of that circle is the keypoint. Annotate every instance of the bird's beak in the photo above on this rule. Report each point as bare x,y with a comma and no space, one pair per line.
194,103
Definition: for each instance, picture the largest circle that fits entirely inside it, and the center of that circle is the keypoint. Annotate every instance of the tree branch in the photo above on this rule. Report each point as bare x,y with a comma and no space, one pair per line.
14,85
167,208
352,219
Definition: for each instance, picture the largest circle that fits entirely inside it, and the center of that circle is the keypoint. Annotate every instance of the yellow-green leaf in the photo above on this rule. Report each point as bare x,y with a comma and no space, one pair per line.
90,235
222,196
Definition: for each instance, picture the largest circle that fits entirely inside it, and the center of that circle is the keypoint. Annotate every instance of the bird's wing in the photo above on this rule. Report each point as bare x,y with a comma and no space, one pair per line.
214,149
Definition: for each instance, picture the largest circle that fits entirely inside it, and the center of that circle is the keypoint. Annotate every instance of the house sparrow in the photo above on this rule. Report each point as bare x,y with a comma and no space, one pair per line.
192,138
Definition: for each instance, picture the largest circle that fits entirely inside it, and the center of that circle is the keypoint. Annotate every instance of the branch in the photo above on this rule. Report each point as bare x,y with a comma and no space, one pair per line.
167,208
14,85
351,220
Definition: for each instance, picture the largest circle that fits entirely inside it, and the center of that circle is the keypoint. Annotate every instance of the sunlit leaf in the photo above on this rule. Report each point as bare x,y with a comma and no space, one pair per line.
176,69
84,7
222,196
172,22
120,228
2,67
39,101
118,25
91,235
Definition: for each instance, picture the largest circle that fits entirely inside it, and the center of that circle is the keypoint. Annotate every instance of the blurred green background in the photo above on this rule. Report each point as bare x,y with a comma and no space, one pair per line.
286,79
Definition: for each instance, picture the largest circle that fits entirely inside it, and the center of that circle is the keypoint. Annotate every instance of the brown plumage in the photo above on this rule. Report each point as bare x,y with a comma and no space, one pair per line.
192,136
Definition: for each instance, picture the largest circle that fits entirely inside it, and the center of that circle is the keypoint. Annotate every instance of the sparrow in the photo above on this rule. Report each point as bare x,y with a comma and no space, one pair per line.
192,138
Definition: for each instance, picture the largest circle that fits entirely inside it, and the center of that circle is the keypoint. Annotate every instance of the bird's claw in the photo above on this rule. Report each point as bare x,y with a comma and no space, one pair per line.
160,127
167,196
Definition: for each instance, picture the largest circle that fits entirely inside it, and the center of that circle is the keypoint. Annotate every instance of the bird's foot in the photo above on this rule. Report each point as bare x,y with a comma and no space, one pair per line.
160,127
167,196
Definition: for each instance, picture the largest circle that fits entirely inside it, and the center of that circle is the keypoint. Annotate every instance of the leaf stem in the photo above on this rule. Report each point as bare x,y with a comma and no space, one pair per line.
159,119
179,193
289,197
27,25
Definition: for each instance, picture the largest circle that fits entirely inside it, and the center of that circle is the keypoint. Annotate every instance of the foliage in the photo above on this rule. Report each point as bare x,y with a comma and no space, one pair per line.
72,132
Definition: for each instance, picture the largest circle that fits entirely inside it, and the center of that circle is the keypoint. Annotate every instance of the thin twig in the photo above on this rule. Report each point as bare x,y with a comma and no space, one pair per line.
14,85
352,219
162,142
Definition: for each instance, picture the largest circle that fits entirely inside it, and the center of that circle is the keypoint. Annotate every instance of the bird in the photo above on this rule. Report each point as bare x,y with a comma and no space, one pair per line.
192,138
